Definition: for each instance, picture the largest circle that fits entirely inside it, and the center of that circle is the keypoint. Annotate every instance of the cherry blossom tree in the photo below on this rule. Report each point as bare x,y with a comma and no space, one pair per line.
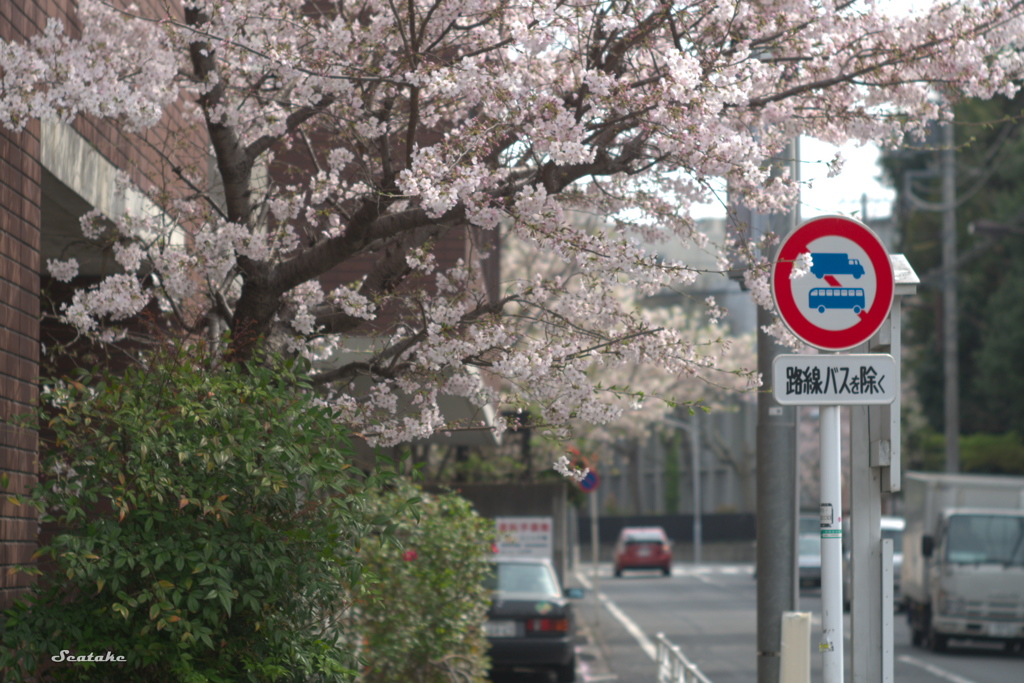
410,120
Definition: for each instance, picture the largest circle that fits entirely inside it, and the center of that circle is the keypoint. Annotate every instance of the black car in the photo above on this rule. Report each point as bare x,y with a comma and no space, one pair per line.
531,622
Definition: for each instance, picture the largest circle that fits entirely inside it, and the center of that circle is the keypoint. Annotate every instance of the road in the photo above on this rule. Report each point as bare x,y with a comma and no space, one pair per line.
710,612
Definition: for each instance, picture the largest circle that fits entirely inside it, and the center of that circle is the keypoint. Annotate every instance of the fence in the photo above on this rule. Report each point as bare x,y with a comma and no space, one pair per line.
716,527
673,666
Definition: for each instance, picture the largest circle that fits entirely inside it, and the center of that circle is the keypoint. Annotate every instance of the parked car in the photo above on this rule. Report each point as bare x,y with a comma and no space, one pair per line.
891,527
643,548
809,558
531,623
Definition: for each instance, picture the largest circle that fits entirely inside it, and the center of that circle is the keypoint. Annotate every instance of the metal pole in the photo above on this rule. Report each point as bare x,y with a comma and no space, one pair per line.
949,306
698,531
594,541
831,646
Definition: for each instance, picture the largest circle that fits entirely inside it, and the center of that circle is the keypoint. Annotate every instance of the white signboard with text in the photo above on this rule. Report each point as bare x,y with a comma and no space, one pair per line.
525,536
834,380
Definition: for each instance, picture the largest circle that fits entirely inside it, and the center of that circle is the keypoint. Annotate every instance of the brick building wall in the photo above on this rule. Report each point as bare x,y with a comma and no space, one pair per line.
19,344
22,241
20,200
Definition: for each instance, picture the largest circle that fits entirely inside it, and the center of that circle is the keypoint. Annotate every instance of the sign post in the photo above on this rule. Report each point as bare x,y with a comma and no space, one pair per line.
840,304
589,485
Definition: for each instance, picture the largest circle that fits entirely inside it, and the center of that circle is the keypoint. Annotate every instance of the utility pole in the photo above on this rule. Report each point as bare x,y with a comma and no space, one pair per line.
776,472
950,364
776,509
948,328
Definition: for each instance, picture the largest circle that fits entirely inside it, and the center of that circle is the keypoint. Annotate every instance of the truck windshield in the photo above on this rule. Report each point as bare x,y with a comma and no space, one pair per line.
974,539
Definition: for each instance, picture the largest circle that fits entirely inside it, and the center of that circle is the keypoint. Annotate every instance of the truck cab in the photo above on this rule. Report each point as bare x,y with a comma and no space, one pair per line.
963,558
975,578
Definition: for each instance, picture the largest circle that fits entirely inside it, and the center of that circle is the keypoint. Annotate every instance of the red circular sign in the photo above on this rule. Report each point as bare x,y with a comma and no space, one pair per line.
847,295
590,482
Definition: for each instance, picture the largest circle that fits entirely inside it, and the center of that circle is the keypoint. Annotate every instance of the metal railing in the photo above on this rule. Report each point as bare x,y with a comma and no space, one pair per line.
673,666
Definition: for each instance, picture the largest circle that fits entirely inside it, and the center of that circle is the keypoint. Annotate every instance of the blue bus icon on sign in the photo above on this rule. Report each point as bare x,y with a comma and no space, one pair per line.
823,264
836,297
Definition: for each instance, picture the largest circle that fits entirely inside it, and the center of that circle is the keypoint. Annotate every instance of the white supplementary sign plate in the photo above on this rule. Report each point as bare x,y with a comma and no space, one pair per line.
828,380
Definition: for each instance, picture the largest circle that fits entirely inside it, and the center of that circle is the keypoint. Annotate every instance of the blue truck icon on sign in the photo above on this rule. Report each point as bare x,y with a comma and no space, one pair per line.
835,264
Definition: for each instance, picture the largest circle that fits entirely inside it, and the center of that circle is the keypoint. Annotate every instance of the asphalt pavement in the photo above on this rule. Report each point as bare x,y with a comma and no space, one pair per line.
710,612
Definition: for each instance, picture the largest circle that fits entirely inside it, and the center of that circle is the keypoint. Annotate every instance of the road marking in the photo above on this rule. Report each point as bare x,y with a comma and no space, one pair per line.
605,570
645,644
934,670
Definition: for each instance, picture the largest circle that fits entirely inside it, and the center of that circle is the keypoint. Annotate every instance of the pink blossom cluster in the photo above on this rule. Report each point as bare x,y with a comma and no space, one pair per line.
417,118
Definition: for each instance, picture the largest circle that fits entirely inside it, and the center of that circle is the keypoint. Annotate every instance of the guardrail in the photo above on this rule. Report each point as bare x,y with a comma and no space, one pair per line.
673,666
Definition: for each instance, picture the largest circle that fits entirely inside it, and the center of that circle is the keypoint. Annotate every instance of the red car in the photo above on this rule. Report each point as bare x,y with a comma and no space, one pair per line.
645,547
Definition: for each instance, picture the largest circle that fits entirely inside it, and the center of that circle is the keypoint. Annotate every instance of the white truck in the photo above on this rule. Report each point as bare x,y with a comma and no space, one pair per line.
963,558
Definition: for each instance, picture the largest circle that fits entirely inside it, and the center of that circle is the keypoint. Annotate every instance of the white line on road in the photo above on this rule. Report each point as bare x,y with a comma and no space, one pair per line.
934,670
645,644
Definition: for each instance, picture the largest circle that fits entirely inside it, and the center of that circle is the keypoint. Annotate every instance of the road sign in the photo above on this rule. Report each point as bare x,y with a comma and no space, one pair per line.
848,293
826,379
525,536
590,482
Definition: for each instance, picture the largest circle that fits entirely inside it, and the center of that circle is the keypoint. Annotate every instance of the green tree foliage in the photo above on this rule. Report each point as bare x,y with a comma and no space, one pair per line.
204,518
422,614
990,169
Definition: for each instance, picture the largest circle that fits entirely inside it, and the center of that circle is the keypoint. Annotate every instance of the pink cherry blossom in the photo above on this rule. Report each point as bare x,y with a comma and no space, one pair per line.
567,138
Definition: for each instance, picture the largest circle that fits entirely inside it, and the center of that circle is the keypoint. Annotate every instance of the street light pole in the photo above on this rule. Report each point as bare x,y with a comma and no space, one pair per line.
693,430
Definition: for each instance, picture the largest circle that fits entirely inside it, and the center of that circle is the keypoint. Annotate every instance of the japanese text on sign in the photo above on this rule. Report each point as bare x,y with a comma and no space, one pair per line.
824,379
525,536
841,380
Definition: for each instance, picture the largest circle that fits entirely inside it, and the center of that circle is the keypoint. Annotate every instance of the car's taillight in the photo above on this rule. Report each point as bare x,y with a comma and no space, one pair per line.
664,547
547,625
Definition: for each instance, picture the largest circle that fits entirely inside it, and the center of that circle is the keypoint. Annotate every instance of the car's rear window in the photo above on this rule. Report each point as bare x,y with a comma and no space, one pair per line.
512,577
644,538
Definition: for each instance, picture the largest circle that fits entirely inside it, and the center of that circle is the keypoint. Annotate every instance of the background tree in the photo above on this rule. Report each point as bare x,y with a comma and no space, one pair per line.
370,131
990,164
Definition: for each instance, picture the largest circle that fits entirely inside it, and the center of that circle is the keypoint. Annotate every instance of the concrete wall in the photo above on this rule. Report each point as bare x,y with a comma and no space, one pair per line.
682,553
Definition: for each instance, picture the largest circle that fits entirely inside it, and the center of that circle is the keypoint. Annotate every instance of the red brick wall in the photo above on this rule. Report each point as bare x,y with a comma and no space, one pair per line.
19,314
20,218
19,343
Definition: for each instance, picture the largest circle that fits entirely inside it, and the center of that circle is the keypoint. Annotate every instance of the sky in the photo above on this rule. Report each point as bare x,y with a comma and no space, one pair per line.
861,175
821,195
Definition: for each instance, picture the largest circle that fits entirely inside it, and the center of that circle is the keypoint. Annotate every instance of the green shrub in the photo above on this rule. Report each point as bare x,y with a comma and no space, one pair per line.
979,453
205,522
422,619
